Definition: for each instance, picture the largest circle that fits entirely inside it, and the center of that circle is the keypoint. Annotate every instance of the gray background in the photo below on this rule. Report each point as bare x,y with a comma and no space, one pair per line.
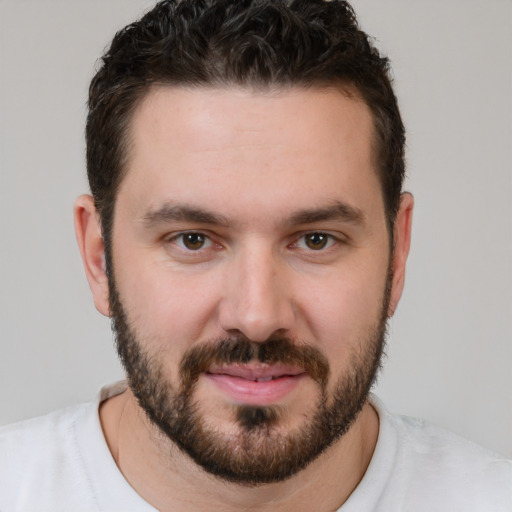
450,349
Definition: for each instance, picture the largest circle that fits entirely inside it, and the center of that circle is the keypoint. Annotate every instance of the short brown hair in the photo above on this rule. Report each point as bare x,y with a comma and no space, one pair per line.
254,43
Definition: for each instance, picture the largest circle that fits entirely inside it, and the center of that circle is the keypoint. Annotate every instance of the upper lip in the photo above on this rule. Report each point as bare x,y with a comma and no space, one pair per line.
256,372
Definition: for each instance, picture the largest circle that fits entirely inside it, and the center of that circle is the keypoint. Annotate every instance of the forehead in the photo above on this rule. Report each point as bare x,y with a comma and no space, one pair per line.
285,115
203,144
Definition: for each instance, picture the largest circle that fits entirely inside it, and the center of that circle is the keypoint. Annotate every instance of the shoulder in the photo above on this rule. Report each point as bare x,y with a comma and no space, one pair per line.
40,425
439,448
30,439
435,468
40,455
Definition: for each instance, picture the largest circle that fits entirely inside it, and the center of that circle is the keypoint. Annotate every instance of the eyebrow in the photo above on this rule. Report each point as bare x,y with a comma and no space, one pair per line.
338,210
171,213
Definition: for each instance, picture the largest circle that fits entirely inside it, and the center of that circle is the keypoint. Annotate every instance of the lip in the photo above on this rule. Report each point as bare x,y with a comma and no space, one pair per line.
256,384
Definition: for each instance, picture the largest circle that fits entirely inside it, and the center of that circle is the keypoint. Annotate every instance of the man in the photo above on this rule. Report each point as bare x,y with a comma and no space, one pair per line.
247,234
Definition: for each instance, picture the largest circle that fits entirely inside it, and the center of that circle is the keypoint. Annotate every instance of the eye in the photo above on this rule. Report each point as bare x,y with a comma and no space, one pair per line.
192,241
315,241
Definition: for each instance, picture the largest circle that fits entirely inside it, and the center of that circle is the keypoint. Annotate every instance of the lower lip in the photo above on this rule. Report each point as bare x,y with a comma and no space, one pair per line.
249,392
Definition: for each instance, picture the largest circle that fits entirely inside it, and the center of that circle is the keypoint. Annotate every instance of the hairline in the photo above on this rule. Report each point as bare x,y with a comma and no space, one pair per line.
344,87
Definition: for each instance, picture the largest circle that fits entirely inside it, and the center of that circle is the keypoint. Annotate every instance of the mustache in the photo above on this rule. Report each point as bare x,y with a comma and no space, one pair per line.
274,350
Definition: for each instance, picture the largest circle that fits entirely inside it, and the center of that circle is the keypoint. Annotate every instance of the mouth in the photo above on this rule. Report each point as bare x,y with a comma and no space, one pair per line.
255,384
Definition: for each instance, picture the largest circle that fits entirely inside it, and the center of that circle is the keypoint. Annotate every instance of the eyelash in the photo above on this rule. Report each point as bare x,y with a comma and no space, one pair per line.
180,236
329,239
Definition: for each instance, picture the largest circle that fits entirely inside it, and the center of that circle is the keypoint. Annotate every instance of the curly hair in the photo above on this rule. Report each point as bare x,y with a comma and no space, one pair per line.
247,43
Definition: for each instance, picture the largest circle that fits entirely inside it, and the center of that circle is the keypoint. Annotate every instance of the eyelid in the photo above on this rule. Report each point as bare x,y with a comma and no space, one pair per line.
174,237
298,241
332,240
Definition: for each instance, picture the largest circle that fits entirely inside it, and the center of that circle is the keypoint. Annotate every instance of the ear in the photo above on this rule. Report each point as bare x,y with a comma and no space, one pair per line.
402,243
90,241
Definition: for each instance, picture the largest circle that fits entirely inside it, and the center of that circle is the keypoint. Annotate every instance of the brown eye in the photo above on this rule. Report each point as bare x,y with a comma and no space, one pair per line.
316,241
193,241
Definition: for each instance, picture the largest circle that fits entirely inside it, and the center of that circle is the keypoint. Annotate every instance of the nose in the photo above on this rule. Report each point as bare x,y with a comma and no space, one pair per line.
257,302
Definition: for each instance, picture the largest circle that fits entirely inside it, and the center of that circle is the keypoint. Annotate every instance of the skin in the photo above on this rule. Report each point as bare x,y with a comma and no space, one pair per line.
255,160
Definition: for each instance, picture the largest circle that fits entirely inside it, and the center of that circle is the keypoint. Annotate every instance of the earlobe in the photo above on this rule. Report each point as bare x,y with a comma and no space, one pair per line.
92,249
402,243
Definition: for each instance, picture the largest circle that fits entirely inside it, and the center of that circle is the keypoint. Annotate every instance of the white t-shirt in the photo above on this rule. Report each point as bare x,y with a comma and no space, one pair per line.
61,462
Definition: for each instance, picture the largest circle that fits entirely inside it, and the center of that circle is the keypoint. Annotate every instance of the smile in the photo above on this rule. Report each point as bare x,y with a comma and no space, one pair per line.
256,385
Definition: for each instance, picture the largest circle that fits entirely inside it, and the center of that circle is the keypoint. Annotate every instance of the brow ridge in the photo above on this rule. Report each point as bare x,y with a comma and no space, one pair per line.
170,212
338,210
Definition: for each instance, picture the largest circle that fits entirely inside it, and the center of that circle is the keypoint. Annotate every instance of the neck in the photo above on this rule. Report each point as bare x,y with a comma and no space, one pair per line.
169,480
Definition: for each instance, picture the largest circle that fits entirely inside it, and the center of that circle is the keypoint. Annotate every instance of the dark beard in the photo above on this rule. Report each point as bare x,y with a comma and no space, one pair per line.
259,453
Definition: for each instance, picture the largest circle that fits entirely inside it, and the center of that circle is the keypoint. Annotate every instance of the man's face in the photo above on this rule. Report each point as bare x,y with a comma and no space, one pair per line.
250,262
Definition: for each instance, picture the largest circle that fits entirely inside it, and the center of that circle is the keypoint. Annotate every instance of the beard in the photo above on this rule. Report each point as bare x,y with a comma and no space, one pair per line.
260,451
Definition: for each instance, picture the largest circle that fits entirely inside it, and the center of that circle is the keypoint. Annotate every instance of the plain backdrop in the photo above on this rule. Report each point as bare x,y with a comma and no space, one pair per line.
449,353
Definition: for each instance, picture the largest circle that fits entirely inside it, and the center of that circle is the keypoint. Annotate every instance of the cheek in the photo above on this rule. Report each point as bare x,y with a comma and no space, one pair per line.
165,306
344,313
